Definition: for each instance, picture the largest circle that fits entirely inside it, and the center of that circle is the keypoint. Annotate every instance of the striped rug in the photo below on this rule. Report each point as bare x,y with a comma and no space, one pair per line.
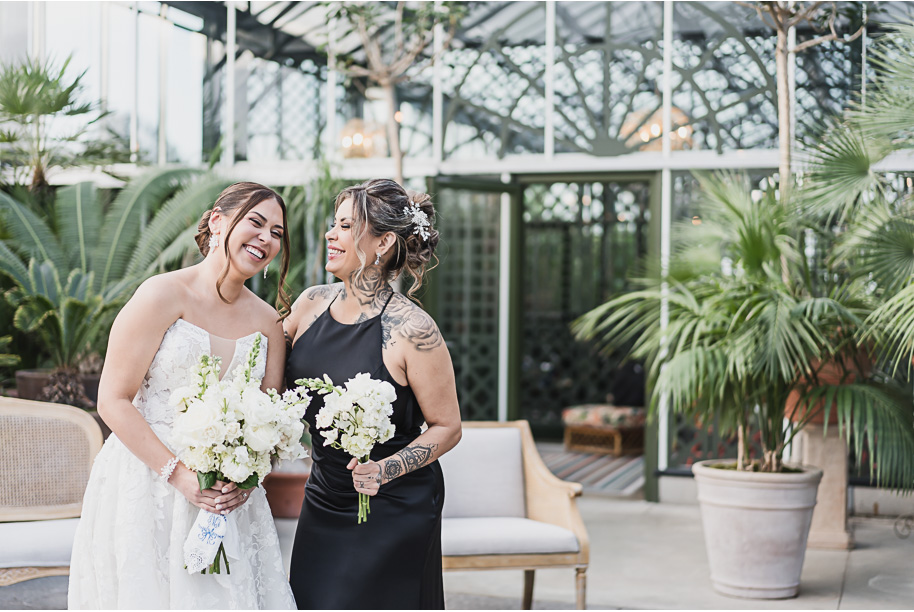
600,474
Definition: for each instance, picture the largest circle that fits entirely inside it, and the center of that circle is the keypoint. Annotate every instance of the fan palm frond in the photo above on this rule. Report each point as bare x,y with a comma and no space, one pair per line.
880,246
889,110
840,171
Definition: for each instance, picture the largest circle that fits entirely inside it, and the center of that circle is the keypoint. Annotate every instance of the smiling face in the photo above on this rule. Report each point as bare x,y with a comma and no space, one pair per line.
342,258
256,238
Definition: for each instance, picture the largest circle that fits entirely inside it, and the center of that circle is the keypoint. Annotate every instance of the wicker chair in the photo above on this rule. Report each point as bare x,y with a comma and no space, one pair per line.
504,509
46,454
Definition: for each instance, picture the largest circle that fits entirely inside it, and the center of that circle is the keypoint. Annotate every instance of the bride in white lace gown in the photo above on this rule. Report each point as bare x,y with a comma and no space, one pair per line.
128,550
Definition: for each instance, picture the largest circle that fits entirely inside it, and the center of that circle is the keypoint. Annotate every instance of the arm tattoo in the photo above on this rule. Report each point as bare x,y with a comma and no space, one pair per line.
409,459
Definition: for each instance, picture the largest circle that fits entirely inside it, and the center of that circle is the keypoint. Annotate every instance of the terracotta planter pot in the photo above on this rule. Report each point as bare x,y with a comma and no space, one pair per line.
285,493
829,374
29,383
756,525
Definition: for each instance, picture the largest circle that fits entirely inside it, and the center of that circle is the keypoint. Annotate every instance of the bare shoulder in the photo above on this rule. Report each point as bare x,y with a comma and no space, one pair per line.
262,313
404,321
163,294
155,305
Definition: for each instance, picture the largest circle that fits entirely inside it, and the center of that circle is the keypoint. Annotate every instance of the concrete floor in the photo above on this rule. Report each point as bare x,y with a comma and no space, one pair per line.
644,556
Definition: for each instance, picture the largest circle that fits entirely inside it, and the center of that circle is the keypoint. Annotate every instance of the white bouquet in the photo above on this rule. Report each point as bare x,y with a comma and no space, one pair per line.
355,418
230,430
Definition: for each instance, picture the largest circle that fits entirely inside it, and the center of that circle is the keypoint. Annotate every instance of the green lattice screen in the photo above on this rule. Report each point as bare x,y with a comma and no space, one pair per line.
467,282
581,240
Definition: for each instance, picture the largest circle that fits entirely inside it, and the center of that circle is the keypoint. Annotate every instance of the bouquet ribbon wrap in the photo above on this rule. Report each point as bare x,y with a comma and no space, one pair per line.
209,531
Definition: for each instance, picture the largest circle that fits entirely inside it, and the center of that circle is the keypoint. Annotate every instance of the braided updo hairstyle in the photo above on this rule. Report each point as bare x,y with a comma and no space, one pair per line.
235,202
382,205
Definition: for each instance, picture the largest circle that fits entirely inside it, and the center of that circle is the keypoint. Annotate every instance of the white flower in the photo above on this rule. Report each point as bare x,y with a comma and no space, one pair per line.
181,396
200,425
261,438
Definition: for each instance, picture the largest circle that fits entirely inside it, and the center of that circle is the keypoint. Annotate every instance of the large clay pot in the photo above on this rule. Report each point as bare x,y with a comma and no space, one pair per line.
29,383
285,493
756,525
828,374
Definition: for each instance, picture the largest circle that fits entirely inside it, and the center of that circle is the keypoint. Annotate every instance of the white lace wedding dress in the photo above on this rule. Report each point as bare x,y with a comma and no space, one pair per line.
128,547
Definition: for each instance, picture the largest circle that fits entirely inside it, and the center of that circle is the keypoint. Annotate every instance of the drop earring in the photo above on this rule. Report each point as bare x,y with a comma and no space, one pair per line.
265,268
377,258
213,241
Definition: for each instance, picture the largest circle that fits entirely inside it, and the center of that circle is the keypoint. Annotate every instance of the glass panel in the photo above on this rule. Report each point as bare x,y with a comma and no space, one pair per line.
184,100
468,283
608,74
285,110
724,95
494,97
148,76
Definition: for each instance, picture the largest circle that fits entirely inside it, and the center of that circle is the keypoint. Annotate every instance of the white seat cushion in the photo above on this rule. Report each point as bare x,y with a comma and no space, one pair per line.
504,536
484,475
37,543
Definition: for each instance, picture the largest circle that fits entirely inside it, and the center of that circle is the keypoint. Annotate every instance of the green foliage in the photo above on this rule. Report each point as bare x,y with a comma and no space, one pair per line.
741,338
7,360
73,270
37,104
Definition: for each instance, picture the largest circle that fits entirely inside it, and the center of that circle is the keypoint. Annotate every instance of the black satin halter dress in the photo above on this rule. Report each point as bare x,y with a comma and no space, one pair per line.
393,560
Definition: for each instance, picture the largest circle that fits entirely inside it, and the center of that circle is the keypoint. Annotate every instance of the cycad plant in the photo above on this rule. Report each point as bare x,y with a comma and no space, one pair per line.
741,337
71,272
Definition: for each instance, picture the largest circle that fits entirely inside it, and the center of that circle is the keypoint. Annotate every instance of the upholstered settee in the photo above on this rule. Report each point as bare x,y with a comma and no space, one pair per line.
504,509
46,454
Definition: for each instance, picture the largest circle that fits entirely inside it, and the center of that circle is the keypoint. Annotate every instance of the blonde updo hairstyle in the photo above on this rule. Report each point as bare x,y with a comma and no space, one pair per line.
235,202
382,205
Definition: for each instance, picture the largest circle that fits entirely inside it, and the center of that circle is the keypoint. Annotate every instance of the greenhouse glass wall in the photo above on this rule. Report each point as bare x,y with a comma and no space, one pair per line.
559,140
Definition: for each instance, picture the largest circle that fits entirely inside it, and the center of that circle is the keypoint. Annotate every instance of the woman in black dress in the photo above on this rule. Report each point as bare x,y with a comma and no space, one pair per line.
362,325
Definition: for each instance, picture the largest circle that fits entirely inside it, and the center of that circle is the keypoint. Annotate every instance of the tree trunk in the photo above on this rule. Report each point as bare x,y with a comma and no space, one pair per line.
784,134
393,131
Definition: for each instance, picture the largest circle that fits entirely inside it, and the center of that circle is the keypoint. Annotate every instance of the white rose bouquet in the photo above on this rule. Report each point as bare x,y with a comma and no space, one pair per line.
230,430
354,418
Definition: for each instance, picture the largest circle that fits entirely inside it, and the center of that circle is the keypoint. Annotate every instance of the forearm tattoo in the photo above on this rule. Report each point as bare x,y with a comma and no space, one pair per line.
409,459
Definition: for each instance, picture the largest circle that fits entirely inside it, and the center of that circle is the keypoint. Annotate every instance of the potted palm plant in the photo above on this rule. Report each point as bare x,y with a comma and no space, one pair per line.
733,342
801,307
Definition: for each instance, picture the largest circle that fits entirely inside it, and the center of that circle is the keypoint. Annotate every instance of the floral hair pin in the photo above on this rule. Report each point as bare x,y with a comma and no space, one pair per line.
419,219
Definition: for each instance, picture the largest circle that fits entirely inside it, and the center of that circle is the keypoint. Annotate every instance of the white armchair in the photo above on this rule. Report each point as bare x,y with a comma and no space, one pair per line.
504,509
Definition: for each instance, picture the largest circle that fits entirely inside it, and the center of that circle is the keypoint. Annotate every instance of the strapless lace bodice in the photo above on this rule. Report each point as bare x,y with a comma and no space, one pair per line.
181,348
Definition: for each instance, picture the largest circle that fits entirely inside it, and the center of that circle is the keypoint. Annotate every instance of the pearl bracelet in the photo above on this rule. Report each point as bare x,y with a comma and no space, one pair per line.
169,468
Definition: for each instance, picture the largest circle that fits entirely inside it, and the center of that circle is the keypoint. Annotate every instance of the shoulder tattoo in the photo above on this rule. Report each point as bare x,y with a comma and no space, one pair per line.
321,292
411,323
